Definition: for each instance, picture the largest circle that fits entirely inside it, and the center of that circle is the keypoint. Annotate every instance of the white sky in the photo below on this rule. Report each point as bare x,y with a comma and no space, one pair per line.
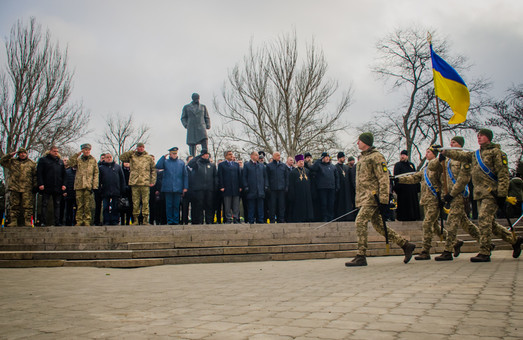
148,57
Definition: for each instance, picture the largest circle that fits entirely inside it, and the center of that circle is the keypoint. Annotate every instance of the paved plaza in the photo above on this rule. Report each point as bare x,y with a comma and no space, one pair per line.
310,299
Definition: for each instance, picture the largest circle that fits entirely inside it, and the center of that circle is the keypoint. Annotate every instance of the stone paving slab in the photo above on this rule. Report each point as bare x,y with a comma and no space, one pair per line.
311,299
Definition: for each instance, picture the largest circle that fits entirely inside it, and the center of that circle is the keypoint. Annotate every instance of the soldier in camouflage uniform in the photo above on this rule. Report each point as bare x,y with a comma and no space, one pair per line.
430,200
372,178
142,177
490,177
21,181
85,182
458,176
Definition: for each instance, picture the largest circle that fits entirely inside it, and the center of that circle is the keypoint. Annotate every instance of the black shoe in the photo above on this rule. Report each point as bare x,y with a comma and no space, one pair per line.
445,256
457,248
358,261
517,247
408,249
422,256
480,258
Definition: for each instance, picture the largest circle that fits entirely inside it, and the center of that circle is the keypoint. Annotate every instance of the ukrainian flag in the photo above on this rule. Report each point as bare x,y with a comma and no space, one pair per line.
450,87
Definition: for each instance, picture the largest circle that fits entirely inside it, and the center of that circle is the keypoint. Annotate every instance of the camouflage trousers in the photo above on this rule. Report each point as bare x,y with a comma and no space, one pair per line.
84,202
487,224
431,226
372,214
140,197
21,204
457,218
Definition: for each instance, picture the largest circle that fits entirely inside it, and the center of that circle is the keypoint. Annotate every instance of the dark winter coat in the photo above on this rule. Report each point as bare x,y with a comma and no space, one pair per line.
50,173
112,180
205,177
278,176
175,177
325,176
229,178
255,180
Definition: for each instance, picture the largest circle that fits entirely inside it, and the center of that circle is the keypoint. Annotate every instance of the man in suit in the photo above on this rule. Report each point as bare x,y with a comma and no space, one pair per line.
229,183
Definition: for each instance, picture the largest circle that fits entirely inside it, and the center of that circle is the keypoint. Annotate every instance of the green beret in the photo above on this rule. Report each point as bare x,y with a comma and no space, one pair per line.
486,132
460,140
367,138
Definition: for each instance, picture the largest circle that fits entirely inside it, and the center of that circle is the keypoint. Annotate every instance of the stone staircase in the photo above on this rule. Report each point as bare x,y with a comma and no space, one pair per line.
139,246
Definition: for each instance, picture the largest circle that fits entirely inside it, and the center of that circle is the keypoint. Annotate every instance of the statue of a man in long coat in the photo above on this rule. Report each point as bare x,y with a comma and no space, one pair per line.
195,118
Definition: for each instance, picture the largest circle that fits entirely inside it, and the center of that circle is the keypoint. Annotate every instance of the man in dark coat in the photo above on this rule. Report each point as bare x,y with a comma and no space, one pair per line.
229,184
299,194
351,163
343,202
111,187
195,118
187,195
205,184
50,173
278,176
126,214
327,183
69,195
255,183
407,194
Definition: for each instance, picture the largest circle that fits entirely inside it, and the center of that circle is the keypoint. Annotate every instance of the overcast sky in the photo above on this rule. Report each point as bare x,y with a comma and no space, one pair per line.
148,57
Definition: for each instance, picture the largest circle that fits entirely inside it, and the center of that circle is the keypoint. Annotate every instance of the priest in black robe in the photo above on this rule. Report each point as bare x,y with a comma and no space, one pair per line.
343,201
407,194
299,194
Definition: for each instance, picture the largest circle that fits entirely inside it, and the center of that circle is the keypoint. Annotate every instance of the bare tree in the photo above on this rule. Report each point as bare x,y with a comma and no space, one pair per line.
507,117
404,59
272,101
121,134
35,90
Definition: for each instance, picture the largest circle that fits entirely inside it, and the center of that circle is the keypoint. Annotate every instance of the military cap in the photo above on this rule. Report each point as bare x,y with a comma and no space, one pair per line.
460,140
367,138
140,144
174,148
486,132
22,150
261,153
298,158
341,154
85,146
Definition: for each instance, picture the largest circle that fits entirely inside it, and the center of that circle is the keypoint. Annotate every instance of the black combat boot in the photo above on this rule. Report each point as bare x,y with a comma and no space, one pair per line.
358,261
408,249
480,258
517,247
424,255
445,256
457,248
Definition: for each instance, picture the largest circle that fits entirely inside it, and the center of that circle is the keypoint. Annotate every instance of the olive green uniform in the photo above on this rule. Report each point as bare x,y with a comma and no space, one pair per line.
372,178
142,176
21,180
429,201
86,180
486,190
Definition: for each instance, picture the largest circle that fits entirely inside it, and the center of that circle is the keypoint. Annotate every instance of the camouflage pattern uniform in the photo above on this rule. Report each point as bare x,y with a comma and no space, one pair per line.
20,182
142,175
457,216
486,190
85,182
429,201
372,177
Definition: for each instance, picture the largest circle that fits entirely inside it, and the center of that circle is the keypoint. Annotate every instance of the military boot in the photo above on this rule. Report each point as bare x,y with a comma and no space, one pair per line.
358,261
424,255
517,247
408,249
480,258
135,220
445,256
457,248
146,220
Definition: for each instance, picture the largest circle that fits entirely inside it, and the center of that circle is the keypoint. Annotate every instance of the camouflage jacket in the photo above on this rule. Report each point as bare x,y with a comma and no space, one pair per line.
495,160
427,197
460,171
21,174
142,169
86,172
372,177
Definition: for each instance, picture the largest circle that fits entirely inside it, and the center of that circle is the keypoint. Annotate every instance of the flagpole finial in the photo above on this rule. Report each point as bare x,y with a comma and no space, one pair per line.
429,38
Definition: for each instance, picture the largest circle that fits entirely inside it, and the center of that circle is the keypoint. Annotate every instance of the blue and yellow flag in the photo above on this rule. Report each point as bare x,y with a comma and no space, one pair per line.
450,87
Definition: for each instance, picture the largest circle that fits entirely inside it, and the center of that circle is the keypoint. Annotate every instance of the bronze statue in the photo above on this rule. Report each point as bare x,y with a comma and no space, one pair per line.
195,118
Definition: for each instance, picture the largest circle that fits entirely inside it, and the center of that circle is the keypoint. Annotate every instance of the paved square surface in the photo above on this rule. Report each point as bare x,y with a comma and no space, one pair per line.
312,299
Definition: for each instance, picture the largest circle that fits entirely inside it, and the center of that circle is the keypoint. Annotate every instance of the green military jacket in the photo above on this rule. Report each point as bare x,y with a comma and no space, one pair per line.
460,171
21,173
372,177
143,171
434,173
86,172
495,160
